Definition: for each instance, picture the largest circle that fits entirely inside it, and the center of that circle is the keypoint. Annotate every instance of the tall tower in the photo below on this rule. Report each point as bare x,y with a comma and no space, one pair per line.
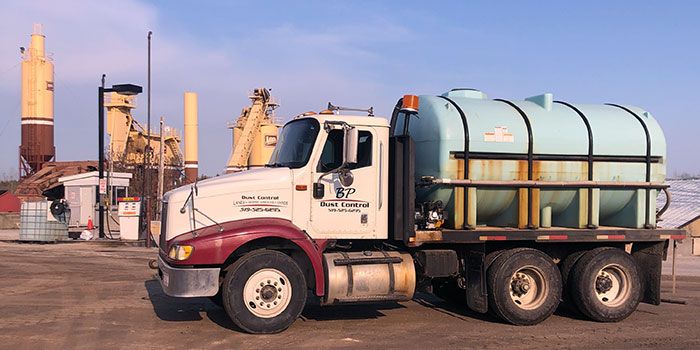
37,145
191,142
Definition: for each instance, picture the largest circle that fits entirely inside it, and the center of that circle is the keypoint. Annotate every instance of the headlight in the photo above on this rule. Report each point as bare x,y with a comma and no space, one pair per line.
180,252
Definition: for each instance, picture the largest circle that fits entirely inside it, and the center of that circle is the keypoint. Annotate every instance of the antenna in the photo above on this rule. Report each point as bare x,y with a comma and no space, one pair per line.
370,110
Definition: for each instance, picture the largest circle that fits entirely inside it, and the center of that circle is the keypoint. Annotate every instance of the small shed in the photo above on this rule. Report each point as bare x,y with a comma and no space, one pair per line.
10,207
684,210
81,194
9,203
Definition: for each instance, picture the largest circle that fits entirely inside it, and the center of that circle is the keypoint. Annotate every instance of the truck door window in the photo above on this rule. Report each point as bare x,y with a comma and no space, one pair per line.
332,154
295,144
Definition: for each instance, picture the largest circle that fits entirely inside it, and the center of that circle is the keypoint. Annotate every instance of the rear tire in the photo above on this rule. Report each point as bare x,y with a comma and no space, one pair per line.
605,284
524,286
566,266
264,292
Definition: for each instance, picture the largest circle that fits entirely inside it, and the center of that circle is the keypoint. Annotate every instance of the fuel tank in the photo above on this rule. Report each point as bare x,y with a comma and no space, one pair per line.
368,276
537,139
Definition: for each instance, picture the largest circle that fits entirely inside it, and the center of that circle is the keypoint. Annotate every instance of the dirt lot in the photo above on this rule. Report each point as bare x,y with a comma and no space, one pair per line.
88,296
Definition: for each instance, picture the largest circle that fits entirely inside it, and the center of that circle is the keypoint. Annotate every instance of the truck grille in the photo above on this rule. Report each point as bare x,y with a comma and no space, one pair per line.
163,226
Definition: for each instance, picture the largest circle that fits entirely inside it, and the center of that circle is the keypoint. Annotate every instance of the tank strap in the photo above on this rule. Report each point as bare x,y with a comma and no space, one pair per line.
392,277
350,279
465,129
394,117
647,224
590,159
530,158
590,136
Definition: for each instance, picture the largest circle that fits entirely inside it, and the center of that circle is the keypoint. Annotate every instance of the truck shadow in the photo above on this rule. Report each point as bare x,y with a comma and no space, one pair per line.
172,309
314,311
462,311
458,311
570,311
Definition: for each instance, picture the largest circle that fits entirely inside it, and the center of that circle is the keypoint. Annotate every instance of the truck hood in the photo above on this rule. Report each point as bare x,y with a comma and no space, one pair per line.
264,192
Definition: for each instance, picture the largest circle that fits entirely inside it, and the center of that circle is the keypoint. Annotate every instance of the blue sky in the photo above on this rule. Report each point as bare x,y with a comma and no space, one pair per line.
359,53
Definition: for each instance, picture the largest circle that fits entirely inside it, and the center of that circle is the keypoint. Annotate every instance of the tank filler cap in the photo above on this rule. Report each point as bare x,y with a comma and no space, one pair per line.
544,100
466,93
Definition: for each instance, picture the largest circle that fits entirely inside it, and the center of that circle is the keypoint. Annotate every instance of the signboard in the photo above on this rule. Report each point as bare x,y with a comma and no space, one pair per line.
103,186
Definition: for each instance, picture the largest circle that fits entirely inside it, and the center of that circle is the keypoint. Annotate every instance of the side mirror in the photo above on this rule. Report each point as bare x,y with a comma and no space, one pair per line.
350,146
319,190
346,178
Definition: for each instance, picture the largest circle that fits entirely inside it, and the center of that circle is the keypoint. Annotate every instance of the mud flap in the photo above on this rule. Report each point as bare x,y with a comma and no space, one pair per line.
477,297
649,256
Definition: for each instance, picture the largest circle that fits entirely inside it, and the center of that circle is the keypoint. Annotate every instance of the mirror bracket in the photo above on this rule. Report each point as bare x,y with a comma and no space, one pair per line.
346,177
318,190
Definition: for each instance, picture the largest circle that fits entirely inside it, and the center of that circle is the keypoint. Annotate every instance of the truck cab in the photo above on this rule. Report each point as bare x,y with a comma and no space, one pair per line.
326,181
327,176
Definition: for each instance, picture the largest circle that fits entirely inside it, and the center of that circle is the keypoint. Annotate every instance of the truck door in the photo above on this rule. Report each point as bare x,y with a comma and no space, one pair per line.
346,211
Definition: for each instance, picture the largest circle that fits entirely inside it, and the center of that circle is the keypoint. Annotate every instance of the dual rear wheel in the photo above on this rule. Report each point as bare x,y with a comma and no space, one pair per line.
605,284
525,286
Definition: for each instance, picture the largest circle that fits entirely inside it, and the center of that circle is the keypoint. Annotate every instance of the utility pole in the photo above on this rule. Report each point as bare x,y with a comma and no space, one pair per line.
147,180
123,89
101,156
161,171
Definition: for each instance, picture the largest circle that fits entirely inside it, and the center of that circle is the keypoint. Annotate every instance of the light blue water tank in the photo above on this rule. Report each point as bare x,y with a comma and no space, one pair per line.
498,144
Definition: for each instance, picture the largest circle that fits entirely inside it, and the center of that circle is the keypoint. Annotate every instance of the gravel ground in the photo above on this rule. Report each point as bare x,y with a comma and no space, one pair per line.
92,295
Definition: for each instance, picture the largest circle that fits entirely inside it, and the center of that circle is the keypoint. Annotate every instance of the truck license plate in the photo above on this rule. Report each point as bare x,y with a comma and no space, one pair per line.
166,279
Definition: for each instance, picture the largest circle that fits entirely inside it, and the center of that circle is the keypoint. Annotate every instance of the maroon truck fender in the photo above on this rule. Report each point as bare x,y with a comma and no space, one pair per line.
213,245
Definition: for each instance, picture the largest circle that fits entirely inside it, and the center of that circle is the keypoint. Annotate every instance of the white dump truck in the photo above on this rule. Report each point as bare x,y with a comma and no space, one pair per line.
508,206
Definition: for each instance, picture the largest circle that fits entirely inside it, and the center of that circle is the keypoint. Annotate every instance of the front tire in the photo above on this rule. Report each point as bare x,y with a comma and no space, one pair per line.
264,292
605,284
524,286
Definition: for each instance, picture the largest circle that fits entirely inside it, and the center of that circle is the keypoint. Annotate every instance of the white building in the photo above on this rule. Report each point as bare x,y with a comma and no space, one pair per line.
81,194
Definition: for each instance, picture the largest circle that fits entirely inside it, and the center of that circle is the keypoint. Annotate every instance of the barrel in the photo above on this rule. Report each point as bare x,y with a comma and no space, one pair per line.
537,139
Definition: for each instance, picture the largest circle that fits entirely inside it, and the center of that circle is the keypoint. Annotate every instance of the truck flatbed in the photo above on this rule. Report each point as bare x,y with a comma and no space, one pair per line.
553,234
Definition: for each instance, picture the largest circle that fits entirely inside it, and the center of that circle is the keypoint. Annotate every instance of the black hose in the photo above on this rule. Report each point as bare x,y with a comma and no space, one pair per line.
666,205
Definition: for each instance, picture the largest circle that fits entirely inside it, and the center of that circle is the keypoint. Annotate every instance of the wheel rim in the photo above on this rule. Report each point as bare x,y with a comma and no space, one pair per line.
267,293
528,288
612,285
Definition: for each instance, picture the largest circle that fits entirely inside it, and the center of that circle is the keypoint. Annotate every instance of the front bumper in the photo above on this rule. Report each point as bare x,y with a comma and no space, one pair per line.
187,283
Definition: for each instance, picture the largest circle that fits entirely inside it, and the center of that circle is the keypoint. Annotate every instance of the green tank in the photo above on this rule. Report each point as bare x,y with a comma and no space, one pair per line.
537,139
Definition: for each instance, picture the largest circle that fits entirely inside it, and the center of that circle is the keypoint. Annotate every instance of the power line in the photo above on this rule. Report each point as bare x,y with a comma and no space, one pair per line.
9,69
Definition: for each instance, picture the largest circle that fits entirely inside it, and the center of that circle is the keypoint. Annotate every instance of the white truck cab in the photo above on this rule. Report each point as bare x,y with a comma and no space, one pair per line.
308,181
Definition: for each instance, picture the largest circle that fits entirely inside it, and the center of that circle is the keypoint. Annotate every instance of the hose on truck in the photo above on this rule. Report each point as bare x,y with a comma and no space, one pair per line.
666,205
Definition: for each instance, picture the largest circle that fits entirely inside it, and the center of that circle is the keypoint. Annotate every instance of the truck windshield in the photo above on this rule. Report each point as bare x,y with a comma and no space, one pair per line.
295,144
